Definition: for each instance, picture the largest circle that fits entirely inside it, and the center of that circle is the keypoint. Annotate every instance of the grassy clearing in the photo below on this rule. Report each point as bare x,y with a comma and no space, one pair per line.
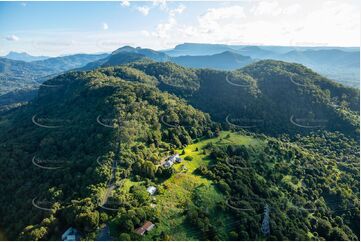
127,184
181,188
289,180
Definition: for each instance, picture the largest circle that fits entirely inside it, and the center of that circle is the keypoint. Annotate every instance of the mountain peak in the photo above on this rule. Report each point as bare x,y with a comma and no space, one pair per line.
23,56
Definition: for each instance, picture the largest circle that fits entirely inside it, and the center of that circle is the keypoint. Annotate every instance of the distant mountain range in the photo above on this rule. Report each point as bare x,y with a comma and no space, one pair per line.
341,64
337,63
209,49
20,78
23,56
16,74
226,60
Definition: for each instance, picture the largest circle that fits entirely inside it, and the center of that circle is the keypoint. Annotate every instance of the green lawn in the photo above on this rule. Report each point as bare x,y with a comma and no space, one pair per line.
127,184
178,190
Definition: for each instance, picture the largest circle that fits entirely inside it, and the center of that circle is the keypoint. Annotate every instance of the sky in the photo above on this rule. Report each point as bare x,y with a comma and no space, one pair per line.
61,28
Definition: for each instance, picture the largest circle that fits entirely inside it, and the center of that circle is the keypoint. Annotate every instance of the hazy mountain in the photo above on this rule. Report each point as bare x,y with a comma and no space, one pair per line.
255,52
23,56
19,74
224,61
197,49
207,49
19,78
152,54
343,66
338,63
126,54
65,63
332,57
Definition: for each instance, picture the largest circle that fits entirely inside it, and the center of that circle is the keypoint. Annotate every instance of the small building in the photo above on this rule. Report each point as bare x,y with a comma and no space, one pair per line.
71,234
174,157
147,226
171,160
168,164
151,190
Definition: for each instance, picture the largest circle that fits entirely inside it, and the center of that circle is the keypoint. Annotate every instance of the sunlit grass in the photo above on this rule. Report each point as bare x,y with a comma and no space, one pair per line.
176,193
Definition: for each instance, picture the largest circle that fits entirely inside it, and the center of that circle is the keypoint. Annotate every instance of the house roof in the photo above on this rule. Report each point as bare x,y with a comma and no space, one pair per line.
147,226
140,231
151,189
70,234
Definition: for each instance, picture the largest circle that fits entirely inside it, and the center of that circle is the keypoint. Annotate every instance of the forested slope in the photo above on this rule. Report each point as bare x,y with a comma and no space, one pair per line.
83,152
273,97
50,148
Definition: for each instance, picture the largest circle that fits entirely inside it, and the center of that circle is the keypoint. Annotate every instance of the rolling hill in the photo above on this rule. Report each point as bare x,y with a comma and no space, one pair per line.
104,134
264,95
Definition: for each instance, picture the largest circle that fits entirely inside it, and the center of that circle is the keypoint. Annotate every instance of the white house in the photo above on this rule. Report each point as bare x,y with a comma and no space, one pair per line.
151,190
168,163
71,234
171,160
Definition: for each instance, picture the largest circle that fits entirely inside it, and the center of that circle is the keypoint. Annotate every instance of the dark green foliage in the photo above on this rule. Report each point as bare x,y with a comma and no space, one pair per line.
188,158
77,144
294,184
317,171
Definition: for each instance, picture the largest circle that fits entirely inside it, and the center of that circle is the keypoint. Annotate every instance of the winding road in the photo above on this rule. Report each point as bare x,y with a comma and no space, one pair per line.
111,185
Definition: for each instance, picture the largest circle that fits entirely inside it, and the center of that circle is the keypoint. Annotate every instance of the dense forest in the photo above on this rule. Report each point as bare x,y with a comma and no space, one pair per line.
309,196
274,144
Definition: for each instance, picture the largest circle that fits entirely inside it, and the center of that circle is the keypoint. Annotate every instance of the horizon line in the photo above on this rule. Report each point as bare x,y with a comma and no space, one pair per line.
168,49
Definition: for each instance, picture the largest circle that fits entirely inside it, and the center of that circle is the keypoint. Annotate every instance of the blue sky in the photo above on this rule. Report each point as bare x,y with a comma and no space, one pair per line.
58,28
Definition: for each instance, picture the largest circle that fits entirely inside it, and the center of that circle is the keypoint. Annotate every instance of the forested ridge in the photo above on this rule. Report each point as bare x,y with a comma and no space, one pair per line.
302,159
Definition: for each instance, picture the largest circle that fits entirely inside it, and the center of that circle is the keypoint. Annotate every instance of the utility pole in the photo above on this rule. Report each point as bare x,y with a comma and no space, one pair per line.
265,223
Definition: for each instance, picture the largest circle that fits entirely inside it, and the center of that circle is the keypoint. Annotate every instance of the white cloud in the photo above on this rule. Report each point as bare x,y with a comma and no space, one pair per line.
12,38
217,20
163,29
105,26
267,8
271,23
125,3
178,10
143,10
293,9
161,3
23,4
334,23
274,8
301,22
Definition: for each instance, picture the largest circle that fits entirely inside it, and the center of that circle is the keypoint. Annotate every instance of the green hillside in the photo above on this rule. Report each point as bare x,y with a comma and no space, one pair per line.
273,97
60,129
83,153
